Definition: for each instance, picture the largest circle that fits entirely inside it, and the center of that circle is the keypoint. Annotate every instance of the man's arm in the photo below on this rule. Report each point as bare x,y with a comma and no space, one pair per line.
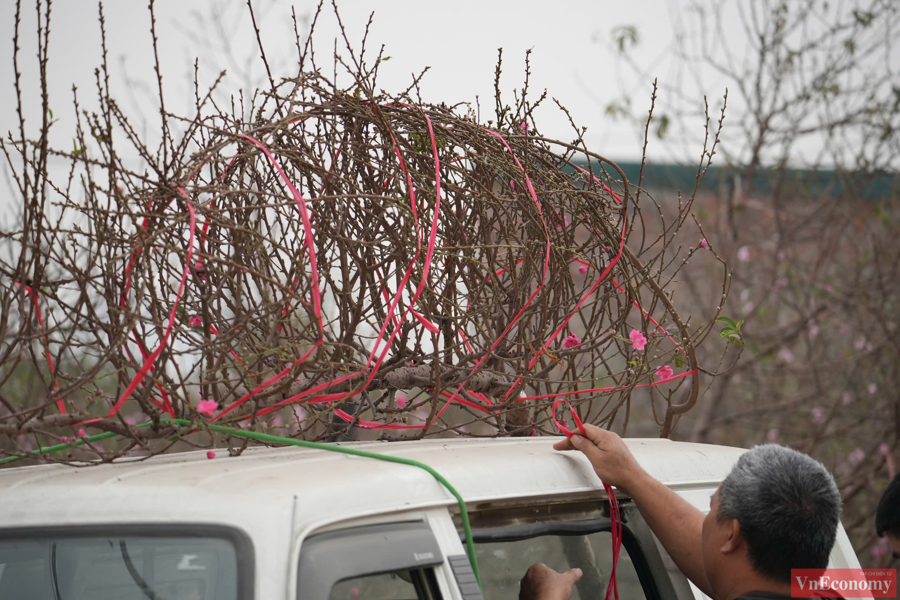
676,523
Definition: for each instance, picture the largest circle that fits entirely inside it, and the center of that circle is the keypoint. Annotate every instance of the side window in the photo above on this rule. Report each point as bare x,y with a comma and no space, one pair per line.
504,555
74,564
379,562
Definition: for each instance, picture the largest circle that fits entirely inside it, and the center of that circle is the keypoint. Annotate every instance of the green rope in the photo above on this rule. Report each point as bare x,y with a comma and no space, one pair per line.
275,439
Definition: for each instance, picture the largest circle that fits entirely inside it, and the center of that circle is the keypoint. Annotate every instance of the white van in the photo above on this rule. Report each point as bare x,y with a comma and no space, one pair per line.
302,524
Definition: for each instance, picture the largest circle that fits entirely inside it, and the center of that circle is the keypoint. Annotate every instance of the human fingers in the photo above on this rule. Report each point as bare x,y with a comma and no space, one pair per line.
563,444
597,435
588,447
572,575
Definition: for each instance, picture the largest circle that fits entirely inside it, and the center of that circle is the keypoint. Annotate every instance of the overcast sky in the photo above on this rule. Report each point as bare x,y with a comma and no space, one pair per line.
570,41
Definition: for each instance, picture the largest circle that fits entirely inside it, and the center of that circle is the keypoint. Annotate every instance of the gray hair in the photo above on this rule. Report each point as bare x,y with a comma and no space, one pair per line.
788,507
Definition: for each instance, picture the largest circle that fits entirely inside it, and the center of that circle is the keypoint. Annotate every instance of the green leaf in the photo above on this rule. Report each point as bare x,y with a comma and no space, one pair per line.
76,151
727,321
727,331
633,363
864,18
663,126
679,362
386,58
625,35
738,325
50,110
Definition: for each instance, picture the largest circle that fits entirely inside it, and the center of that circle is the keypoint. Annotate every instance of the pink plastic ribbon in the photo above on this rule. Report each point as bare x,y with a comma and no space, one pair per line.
148,363
60,404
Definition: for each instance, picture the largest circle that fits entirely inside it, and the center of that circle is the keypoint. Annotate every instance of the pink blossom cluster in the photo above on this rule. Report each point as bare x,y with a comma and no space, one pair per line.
207,407
638,340
571,341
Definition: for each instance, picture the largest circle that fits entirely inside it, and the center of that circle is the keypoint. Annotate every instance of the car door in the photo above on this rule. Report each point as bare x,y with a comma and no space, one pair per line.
395,560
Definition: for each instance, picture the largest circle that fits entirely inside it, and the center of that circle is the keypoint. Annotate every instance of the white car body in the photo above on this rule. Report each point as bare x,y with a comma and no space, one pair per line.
278,498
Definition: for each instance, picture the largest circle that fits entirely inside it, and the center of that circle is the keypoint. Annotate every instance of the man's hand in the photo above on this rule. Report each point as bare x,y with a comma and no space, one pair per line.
676,523
543,583
610,457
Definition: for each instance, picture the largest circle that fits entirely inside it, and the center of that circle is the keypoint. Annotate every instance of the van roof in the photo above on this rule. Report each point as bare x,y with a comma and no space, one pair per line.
317,486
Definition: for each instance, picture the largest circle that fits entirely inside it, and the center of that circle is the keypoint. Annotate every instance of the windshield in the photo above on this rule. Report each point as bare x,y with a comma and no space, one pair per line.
118,568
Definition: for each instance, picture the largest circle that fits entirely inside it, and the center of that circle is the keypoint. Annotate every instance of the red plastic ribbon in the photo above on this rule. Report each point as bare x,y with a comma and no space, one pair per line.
614,514
531,298
148,363
314,279
60,404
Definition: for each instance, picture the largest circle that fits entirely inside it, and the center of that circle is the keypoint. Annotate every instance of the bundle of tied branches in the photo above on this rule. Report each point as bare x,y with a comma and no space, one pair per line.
341,260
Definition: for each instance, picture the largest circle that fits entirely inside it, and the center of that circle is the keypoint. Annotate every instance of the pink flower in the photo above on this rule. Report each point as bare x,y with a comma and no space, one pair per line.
207,407
200,270
64,440
195,321
884,449
582,269
81,433
401,400
638,340
860,343
704,243
873,389
827,287
818,415
846,398
772,436
571,341
813,330
523,126
786,355
210,454
743,254
856,457
664,372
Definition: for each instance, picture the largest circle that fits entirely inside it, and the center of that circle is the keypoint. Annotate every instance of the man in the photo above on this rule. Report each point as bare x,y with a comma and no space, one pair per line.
777,510
887,517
